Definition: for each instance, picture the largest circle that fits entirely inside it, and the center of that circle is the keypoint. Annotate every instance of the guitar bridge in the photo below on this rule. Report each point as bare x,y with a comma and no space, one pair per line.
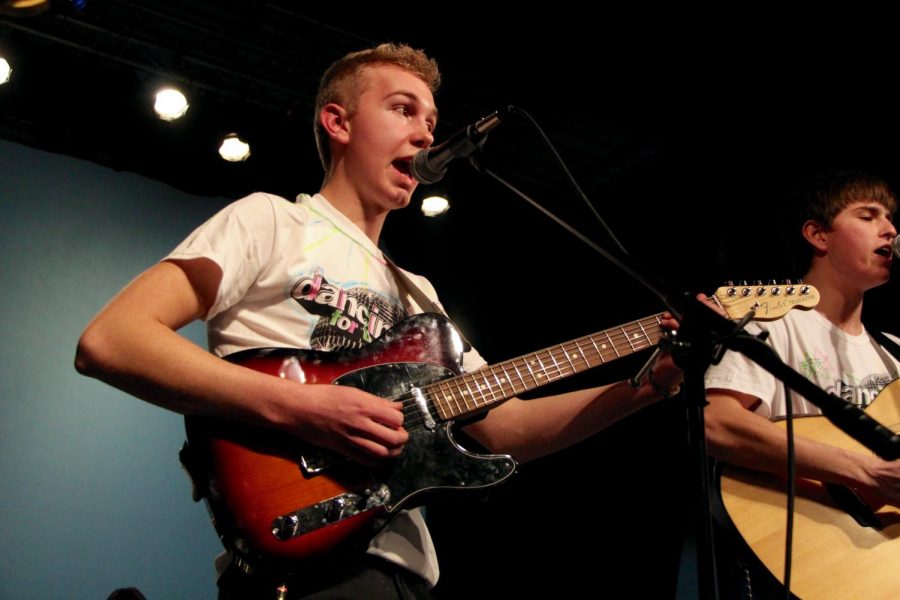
330,511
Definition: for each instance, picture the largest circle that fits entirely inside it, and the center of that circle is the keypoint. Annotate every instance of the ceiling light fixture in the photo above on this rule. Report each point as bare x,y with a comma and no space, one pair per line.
234,149
170,104
433,206
5,70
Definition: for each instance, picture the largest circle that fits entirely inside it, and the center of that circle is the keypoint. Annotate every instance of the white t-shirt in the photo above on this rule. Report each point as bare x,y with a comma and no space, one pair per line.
852,367
302,275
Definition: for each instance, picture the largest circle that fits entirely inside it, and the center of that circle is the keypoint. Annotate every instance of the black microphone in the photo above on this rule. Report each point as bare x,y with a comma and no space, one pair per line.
429,166
896,245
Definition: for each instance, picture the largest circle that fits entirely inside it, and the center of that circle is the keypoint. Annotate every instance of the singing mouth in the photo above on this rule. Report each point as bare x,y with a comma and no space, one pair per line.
884,251
402,165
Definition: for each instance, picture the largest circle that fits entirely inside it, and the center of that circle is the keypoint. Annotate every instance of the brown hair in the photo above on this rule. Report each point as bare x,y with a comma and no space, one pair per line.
829,195
341,83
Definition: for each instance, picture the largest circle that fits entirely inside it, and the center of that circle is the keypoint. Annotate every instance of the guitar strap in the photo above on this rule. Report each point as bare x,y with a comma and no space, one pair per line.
417,299
886,343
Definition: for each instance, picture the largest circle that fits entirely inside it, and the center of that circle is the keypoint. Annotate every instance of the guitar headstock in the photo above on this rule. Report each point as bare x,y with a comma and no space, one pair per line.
769,301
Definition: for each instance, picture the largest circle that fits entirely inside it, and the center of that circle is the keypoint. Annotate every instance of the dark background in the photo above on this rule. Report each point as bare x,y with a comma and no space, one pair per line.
686,131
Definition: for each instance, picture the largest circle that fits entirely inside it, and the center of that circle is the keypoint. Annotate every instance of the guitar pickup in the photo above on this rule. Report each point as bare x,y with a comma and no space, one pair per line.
330,511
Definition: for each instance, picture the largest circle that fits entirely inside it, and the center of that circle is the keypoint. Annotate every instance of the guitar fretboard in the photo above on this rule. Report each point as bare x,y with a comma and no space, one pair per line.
477,391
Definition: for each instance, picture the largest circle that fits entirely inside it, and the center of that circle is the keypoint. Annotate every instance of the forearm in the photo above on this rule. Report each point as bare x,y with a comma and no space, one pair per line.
143,356
738,436
529,429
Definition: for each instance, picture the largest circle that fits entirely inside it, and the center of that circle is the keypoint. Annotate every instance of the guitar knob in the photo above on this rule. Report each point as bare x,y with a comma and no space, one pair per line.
746,292
790,290
731,292
761,291
804,290
776,291
284,528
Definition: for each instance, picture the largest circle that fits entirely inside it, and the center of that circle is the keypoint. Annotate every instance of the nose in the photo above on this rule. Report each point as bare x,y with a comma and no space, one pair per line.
891,229
423,138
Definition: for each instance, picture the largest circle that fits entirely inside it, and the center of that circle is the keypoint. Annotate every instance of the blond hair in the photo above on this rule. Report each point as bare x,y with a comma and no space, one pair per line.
342,82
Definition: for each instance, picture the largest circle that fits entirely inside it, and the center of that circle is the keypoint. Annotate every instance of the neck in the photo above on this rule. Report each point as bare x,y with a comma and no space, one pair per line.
840,301
346,199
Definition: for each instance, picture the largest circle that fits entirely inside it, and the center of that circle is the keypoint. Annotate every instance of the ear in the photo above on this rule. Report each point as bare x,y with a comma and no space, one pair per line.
816,234
335,122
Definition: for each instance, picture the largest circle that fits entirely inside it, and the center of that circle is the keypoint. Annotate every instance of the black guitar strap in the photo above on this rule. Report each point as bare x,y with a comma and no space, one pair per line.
422,301
887,344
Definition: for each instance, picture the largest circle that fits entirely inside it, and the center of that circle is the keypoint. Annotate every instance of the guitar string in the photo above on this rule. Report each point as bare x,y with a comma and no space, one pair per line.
559,355
553,363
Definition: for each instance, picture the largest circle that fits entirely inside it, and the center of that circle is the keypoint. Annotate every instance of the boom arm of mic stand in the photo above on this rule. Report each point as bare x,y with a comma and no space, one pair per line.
701,352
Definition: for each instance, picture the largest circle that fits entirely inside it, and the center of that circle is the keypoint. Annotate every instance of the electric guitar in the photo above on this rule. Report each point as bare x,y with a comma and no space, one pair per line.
275,497
842,548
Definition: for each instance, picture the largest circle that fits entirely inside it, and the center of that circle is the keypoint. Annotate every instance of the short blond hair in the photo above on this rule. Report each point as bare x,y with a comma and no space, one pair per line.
341,83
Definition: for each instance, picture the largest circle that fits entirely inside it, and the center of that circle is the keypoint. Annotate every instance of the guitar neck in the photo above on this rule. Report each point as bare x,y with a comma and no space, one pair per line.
478,391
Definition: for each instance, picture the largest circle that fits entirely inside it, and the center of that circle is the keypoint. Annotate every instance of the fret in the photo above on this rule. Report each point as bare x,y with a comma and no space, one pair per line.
465,393
499,385
453,397
583,355
597,349
555,365
530,372
627,338
644,332
569,358
519,376
542,371
476,395
611,343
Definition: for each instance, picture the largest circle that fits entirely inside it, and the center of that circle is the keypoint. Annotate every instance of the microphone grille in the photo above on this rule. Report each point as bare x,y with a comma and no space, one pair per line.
422,170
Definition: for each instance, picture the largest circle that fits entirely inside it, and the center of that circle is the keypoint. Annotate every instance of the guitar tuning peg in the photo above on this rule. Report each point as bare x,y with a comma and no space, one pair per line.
729,283
743,282
758,282
773,282
787,282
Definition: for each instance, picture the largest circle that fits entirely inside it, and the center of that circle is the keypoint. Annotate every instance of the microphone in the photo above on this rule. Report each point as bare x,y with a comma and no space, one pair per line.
896,245
430,166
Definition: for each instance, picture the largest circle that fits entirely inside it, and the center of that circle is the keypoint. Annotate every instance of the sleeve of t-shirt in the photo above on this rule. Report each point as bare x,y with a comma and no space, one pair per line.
239,240
738,373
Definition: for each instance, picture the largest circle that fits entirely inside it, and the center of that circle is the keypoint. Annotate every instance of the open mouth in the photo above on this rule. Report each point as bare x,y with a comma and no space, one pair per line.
884,251
402,165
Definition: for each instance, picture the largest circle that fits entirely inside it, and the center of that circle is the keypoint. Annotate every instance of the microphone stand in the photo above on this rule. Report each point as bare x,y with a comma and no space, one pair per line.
702,338
692,350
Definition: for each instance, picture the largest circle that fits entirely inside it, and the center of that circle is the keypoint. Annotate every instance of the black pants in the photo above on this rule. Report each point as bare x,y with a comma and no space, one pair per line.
363,577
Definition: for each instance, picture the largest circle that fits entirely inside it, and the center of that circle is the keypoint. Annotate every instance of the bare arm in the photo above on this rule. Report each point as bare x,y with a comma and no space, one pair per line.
737,435
133,345
529,429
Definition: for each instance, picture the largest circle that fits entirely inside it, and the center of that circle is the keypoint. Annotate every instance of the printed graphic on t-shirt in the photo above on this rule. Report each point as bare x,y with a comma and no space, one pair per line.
349,317
858,391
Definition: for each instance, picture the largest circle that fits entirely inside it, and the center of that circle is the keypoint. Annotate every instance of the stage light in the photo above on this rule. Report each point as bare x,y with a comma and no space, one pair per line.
23,8
233,149
433,206
5,71
170,104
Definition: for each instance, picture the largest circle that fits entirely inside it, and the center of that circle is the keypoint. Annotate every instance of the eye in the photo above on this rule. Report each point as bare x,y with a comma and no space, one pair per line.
402,109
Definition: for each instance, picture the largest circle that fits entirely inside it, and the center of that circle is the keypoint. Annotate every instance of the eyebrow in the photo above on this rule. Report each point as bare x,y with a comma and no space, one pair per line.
875,209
